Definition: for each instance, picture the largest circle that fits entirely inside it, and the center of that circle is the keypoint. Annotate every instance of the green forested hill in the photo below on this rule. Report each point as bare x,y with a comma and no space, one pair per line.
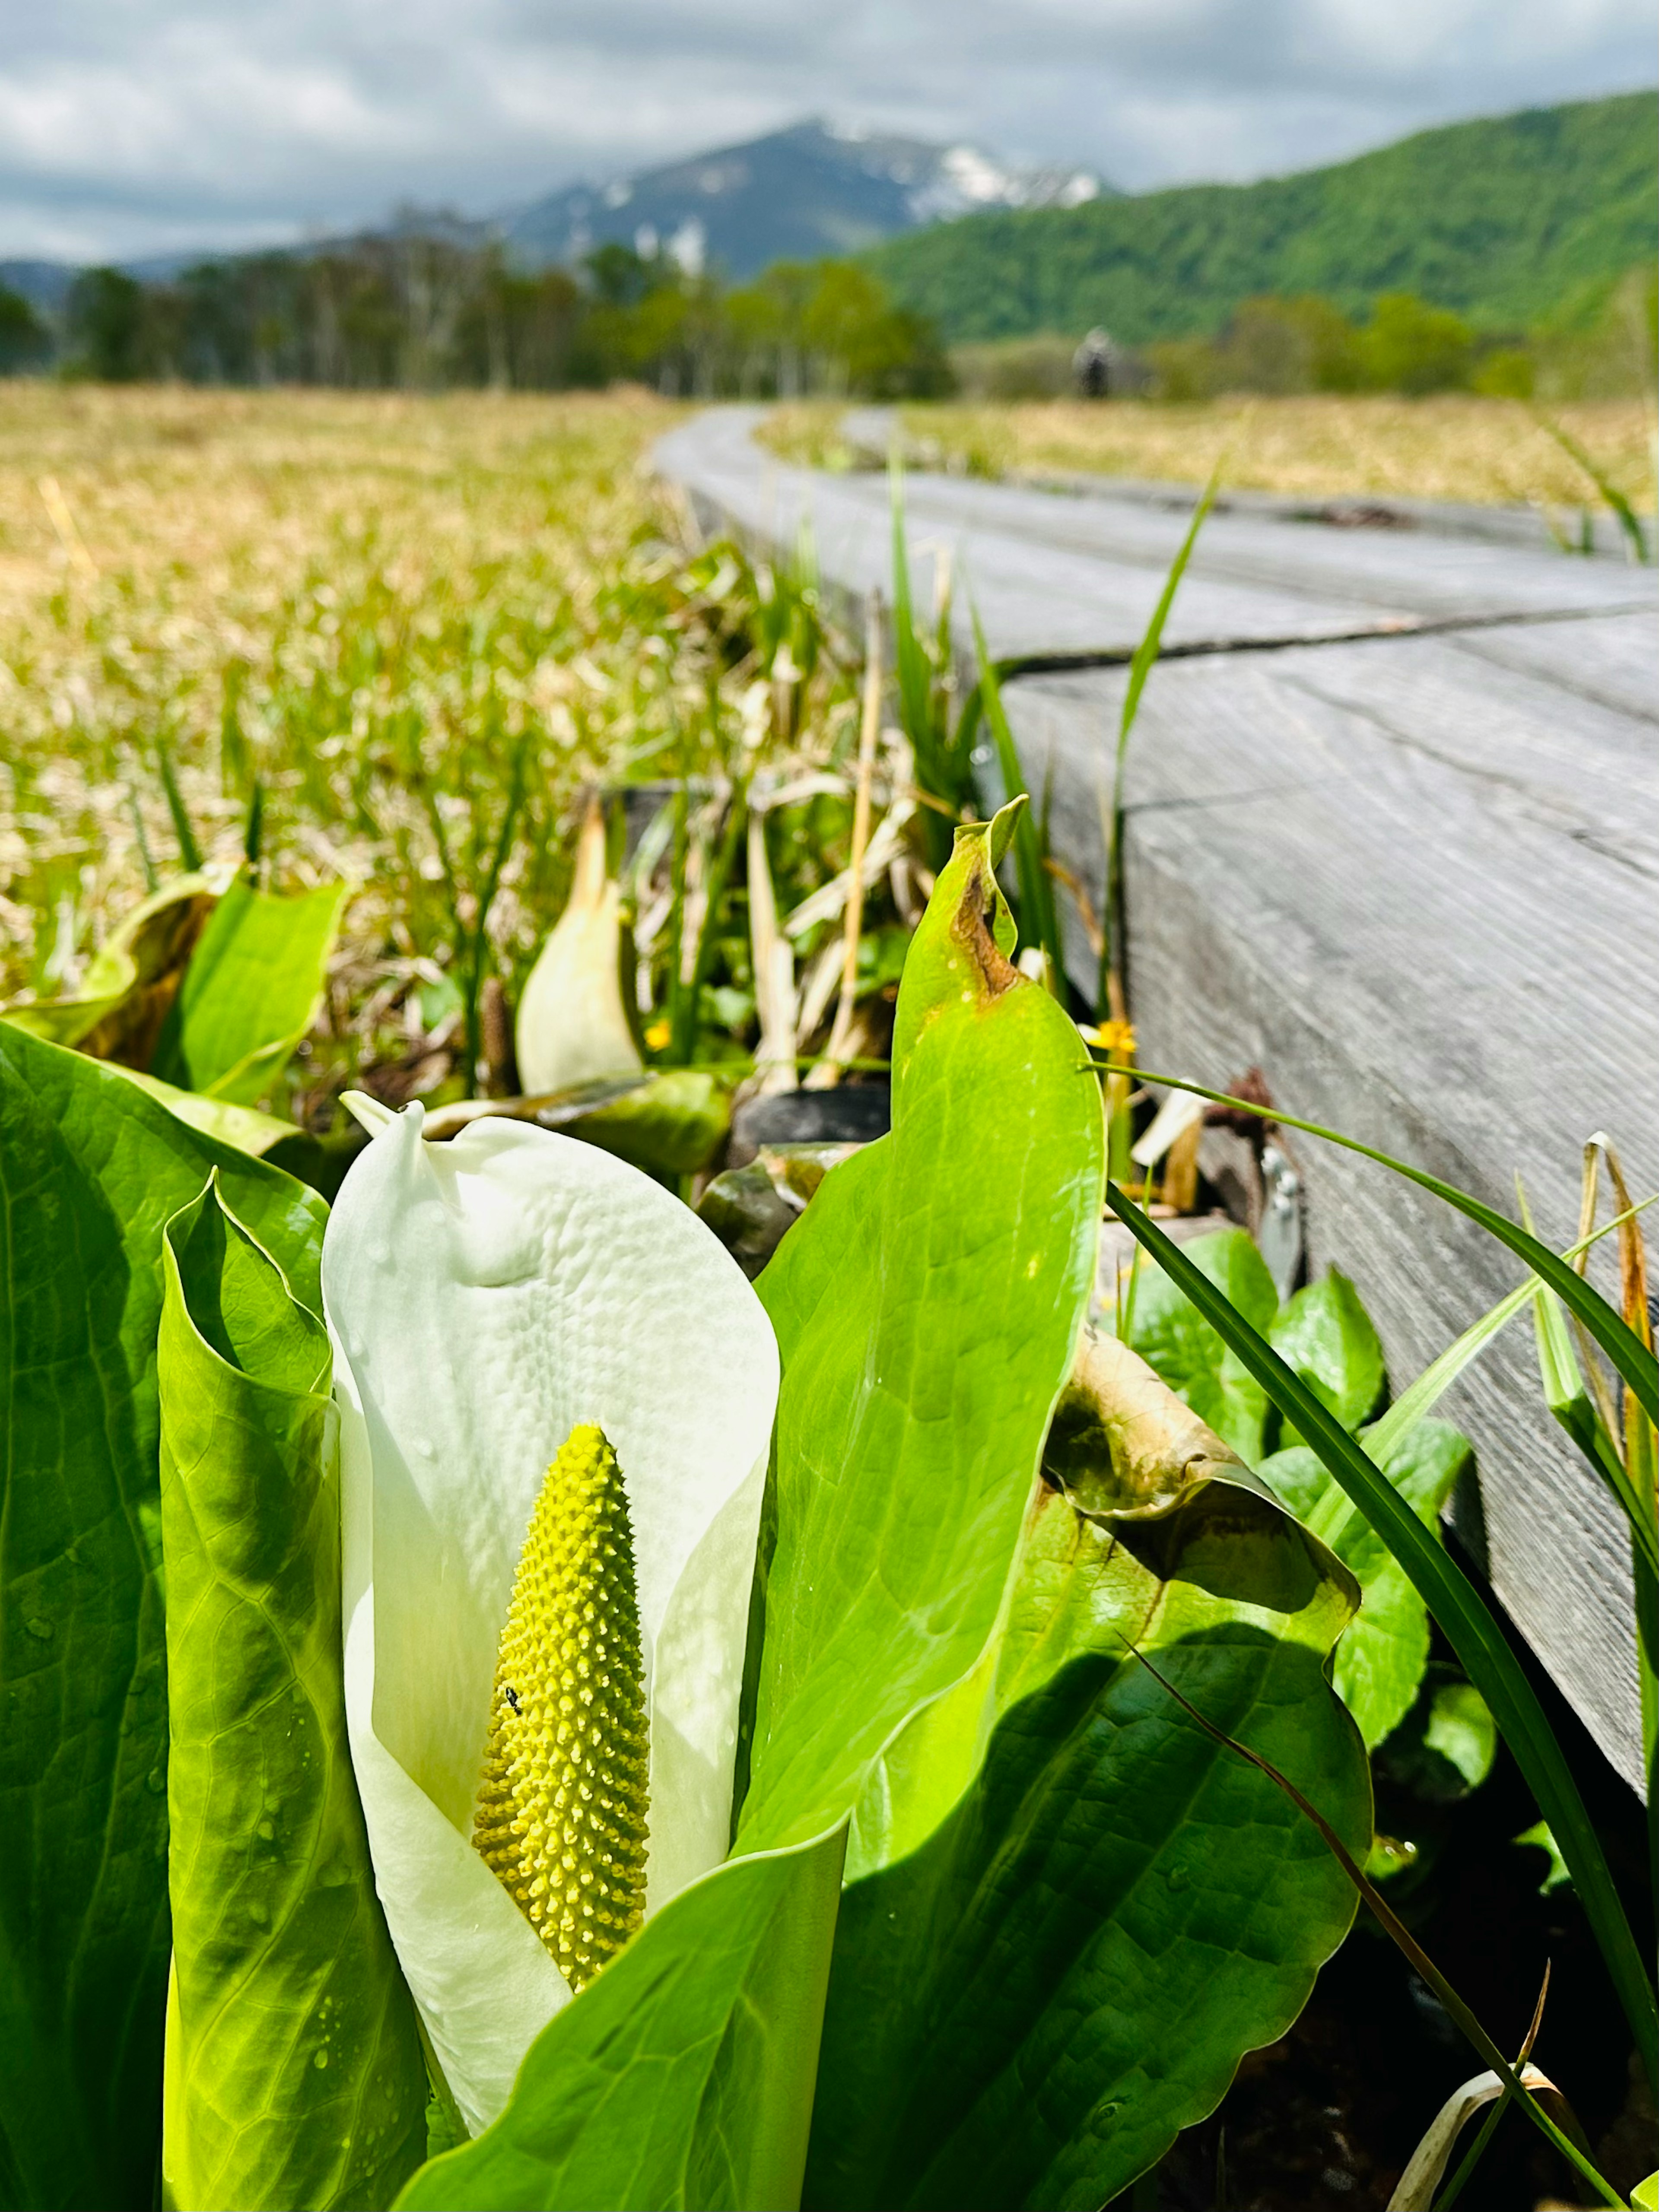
1505,219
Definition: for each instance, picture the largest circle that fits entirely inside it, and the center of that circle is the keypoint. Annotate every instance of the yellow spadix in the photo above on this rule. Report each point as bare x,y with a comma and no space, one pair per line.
560,1817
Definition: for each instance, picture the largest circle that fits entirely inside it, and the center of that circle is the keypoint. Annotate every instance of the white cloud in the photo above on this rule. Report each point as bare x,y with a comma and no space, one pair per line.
129,126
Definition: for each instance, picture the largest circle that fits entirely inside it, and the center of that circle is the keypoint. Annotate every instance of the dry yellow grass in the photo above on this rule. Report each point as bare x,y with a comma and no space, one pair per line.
415,632
191,494
317,589
1455,446
358,599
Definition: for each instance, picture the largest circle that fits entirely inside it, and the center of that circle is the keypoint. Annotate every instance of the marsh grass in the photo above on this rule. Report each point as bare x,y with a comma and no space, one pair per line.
342,625
1455,446
809,433
357,603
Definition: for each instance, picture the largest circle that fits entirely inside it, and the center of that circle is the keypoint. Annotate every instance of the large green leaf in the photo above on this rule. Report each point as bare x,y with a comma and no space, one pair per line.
669,1123
295,1151
1380,1662
1168,1332
672,1124
130,984
681,2077
1325,1335
1070,1912
294,2076
90,1168
250,992
926,1307
1468,1624
927,1314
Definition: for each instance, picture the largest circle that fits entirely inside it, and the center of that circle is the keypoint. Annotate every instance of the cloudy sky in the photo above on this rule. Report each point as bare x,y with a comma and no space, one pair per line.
136,126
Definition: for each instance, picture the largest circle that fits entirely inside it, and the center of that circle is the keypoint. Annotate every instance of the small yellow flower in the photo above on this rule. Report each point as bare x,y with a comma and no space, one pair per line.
657,1036
1116,1040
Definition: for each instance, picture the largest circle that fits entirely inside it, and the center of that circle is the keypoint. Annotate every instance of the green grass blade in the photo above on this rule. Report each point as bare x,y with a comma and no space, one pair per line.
189,853
911,667
1634,1362
1473,2155
942,623
1431,1385
689,1018
478,951
1416,1403
942,761
1151,643
145,857
679,863
1140,667
1568,1400
1466,1621
1629,521
1647,1661
1039,922
254,829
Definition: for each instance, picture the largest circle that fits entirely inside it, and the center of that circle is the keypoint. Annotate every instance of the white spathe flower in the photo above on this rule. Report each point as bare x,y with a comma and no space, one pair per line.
572,1027
485,1297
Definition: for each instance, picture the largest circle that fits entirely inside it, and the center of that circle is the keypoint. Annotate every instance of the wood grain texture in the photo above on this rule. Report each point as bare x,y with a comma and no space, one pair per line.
1057,574
1419,892
1414,878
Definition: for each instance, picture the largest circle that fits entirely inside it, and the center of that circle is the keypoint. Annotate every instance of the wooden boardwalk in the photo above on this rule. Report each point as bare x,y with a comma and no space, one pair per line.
1393,837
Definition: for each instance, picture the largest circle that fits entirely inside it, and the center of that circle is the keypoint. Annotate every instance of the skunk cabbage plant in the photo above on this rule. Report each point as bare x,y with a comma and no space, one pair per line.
556,1391
572,1025
1063,1912
472,1685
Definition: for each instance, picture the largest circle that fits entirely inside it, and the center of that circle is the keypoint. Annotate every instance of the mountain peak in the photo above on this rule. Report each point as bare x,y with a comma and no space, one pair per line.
812,189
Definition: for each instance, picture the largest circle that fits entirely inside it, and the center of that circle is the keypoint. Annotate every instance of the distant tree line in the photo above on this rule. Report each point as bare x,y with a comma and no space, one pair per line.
430,308
1603,345
1406,344
25,343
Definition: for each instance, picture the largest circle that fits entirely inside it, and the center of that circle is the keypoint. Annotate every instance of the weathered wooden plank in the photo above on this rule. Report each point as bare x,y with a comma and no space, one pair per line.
1424,905
1414,879
1610,661
1052,575
1032,596
1399,571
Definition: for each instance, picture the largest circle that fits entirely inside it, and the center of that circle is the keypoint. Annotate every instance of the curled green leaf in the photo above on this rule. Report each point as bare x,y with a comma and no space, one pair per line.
90,1170
251,991
295,2075
927,1306
1054,1877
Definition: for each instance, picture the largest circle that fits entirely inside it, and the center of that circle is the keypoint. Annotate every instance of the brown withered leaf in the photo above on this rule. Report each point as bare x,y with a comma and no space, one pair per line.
1122,1443
130,986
